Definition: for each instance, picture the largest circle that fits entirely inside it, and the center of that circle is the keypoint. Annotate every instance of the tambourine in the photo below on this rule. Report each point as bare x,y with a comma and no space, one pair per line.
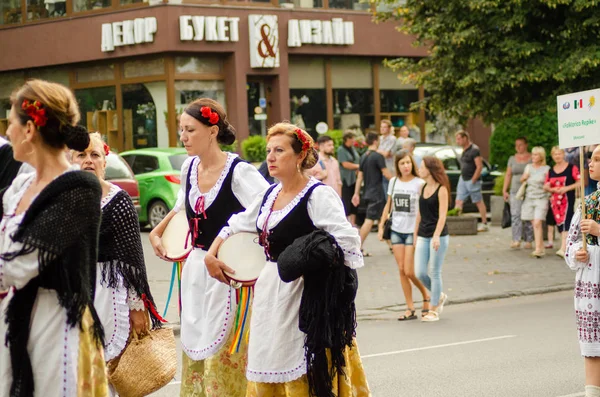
176,238
245,256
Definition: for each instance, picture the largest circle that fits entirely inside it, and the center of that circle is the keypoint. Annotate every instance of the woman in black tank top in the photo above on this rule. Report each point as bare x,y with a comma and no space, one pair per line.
432,232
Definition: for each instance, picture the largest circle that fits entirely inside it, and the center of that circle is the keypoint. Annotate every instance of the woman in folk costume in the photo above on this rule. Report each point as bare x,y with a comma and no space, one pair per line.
122,290
216,185
48,245
587,295
297,207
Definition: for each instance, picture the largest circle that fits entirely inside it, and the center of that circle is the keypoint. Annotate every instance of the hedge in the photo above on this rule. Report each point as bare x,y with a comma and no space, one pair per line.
254,149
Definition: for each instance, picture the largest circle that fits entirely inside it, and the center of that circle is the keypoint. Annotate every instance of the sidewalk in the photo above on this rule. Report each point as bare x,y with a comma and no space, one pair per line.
476,268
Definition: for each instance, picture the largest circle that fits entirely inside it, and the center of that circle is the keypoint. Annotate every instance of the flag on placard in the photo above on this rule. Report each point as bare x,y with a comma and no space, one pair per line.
578,103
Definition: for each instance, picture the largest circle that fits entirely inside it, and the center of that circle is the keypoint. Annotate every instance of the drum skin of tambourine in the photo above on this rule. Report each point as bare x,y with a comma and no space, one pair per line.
176,239
244,255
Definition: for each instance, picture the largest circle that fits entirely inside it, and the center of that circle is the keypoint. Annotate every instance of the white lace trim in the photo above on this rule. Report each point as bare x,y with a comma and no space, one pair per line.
69,378
118,340
135,302
277,216
210,196
277,376
114,189
214,347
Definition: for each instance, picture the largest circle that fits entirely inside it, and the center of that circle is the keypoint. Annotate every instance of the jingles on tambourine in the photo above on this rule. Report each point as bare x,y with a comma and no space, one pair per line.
245,256
176,238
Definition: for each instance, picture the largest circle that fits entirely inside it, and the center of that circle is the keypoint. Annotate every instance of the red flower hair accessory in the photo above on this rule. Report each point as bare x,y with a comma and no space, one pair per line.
106,149
208,113
302,138
35,111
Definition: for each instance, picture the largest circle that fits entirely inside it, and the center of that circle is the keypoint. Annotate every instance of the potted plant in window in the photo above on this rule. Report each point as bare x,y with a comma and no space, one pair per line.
148,110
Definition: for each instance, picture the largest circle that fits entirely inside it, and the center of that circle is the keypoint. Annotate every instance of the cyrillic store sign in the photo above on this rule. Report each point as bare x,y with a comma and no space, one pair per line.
199,28
334,32
130,32
264,41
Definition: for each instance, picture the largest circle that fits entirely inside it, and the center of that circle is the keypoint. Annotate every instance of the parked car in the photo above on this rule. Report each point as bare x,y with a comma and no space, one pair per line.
119,173
450,156
158,174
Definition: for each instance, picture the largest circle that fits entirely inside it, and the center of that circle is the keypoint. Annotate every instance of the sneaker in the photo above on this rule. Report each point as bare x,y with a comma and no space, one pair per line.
482,227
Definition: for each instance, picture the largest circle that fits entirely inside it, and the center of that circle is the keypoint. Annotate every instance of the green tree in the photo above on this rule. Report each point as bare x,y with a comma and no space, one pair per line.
498,58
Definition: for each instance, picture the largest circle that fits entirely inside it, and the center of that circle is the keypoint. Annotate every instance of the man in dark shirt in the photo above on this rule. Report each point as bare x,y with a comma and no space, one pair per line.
9,167
372,171
469,183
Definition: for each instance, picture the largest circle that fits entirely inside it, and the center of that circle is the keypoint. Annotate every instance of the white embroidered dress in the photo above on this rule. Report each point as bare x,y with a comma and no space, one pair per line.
208,306
113,304
276,346
587,290
53,346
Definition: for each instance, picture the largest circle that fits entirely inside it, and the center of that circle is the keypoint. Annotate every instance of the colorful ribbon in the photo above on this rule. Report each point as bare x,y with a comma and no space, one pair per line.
176,273
242,316
150,306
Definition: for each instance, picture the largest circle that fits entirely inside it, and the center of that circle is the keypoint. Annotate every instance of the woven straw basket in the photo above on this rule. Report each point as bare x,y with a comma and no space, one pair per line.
147,364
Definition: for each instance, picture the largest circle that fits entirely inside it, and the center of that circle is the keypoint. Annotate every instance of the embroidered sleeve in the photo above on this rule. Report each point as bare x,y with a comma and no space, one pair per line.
134,301
179,204
18,272
247,183
574,243
326,210
244,221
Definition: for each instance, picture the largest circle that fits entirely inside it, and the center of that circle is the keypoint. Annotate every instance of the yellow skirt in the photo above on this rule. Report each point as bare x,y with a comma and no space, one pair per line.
352,384
91,371
221,375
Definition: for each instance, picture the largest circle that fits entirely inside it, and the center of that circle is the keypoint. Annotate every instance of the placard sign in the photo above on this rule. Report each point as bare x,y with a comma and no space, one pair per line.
264,41
578,118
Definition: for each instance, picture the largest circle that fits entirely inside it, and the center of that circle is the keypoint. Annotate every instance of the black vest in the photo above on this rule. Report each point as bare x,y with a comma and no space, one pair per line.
296,223
214,218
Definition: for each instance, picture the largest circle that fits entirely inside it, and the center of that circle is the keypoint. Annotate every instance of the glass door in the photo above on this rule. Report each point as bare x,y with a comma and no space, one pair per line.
257,106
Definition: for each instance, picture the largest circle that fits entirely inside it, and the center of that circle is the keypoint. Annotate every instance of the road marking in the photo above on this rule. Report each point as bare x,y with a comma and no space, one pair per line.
468,342
574,395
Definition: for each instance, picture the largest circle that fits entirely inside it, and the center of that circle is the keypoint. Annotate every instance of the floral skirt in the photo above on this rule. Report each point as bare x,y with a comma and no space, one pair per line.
352,384
91,371
221,375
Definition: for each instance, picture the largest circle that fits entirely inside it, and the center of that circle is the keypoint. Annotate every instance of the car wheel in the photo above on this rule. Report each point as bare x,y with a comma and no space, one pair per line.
156,213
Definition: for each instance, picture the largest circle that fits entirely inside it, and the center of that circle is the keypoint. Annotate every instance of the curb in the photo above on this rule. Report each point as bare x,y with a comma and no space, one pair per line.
387,310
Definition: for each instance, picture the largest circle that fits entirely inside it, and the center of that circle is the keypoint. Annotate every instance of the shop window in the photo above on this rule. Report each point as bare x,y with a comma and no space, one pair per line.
55,75
126,2
145,115
98,111
353,108
87,5
350,4
397,100
10,11
8,83
95,73
302,3
308,107
198,65
41,9
144,67
187,91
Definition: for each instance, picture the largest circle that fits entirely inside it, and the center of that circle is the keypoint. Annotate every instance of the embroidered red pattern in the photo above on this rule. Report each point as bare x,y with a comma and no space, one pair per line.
588,324
587,290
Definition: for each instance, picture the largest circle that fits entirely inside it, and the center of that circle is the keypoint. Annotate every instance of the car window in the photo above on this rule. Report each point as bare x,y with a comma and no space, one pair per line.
116,168
129,158
448,158
177,161
144,164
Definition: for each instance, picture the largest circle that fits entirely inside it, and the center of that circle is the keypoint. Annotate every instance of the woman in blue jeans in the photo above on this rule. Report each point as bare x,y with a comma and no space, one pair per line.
432,233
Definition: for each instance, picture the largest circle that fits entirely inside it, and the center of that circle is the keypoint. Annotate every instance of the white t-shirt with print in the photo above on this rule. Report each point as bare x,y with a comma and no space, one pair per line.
405,203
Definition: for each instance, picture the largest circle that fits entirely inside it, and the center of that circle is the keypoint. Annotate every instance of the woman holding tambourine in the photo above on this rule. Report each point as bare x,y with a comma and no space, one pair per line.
292,209
216,185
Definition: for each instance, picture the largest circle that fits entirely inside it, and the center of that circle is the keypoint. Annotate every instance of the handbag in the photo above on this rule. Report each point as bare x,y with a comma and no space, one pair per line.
387,226
521,192
506,216
147,364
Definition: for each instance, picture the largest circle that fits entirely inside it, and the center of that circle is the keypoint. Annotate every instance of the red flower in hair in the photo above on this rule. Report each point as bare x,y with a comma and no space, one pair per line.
35,111
208,113
214,118
106,149
303,139
205,110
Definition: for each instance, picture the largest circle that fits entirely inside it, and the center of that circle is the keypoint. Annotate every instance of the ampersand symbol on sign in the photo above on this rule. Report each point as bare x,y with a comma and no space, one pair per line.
265,44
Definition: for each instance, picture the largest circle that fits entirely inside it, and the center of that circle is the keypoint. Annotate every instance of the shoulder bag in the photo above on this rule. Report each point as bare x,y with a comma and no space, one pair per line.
387,226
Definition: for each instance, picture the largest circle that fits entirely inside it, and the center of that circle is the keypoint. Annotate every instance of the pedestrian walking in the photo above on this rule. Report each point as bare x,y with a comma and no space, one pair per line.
402,202
587,264
278,364
410,145
521,231
215,186
561,183
122,291
327,163
372,171
469,183
535,205
48,249
387,144
432,233
349,163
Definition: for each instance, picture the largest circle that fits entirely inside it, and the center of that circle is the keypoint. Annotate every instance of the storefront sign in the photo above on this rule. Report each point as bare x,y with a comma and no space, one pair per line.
137,31
264,41
578,118
334,32
198,28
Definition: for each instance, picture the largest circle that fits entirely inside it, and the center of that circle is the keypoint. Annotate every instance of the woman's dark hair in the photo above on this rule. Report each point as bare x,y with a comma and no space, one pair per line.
226,134
61,113
437,171
399,156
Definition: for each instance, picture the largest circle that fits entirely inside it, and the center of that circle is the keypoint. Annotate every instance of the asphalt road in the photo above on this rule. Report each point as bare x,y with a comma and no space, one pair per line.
518,347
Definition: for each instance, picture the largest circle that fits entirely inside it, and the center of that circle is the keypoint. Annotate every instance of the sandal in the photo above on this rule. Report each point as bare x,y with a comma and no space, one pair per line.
431,317
404,317
425,311
365,253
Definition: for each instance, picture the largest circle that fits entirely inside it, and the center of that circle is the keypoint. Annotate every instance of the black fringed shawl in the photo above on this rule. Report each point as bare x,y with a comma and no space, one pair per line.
62,225
120,249
327,310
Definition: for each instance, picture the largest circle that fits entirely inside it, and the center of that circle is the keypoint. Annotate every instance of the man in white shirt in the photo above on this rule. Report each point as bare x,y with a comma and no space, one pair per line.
387,143
327,168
